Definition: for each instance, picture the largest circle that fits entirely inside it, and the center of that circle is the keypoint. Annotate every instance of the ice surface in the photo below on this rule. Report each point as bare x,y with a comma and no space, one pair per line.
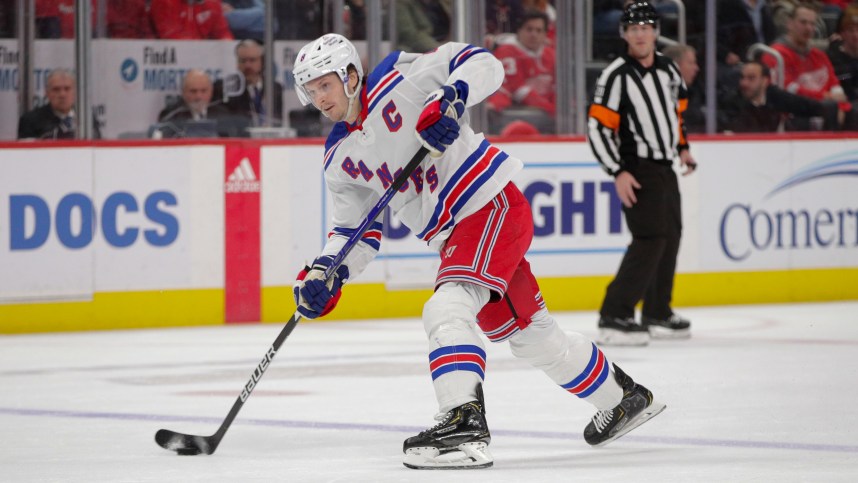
760,393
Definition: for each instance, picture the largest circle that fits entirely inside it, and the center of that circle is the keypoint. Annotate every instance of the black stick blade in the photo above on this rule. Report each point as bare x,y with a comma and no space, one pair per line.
183,444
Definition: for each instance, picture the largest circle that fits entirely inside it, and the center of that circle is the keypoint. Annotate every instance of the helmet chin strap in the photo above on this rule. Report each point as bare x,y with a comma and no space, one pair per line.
351,98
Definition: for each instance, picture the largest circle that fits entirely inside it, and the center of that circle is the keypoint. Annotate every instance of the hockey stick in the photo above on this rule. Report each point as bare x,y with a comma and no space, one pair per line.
187,444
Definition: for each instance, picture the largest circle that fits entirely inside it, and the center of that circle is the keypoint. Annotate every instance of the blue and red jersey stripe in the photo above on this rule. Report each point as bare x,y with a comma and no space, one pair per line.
464,55
465,182
372,237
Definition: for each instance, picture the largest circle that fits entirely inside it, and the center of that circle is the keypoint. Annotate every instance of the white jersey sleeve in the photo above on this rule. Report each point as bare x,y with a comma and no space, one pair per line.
453,62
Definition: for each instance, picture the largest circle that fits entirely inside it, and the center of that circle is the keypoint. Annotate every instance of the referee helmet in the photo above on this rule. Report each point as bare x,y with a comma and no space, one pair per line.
639,13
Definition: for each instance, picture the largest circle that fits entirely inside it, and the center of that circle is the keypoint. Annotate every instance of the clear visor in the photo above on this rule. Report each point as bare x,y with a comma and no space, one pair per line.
308,96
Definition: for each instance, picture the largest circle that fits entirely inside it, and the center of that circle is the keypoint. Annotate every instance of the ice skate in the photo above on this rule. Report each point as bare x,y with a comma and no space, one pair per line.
621,331
459,441
674,327
636,408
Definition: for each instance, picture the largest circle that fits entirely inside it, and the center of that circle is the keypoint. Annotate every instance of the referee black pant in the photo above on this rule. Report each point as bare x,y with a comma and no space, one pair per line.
649,265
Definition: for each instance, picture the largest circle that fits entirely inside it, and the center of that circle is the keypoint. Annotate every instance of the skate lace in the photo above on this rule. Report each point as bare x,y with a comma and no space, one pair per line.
602,418
442,419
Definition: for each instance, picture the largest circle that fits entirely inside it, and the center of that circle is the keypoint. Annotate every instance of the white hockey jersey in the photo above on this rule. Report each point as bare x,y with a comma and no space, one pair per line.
362,160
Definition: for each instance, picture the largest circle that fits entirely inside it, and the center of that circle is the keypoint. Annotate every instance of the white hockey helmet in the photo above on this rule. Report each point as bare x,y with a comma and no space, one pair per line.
329,53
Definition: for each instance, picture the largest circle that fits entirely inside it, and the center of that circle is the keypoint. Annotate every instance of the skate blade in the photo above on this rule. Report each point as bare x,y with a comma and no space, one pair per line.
650,412
468,456
662,333
619,338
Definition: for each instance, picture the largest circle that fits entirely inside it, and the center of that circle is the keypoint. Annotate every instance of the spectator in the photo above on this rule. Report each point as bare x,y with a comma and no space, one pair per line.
763,107
502,16
189,19
606,17
844,54
48,25
529,70
685,57
56,119
807,70
246,18
742,23
422,25
836,5
354,15
299,19
7,19
126,19
249,103
195,105
545,7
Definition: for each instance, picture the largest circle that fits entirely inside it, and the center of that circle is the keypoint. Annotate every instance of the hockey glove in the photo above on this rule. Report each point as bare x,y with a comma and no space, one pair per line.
314,295
438,124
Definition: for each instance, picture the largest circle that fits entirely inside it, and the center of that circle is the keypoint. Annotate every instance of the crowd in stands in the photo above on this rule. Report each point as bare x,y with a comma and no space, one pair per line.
817,42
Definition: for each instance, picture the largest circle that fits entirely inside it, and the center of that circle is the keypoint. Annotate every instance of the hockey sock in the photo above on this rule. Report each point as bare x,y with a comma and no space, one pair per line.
569,359
457,355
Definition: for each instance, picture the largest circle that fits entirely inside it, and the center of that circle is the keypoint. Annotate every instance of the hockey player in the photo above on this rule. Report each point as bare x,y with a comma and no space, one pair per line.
462,203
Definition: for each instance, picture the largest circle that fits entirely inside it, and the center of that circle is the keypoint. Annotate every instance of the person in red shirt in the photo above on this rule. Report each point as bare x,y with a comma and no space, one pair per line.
529,67
126,19
189,19
807,70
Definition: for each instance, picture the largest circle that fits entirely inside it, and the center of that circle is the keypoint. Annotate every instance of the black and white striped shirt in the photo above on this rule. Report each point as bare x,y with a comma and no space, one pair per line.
636,114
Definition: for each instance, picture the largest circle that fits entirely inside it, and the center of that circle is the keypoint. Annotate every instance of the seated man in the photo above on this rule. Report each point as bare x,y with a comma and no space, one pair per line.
250,103
529,69
685,57
195,106
56,119
763,107
807,70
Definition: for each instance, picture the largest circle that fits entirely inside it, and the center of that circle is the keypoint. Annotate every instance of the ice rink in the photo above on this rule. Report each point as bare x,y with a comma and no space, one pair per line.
760,393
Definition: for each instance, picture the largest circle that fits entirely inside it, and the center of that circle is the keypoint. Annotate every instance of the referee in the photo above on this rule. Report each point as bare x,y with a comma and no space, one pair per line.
635,132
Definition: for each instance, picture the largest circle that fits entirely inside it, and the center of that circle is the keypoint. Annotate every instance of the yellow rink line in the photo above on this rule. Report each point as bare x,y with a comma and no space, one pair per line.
174,308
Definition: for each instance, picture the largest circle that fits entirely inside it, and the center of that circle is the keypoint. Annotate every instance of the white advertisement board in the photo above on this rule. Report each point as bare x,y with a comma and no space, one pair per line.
778,205
47,224
162,218
109,220
105,219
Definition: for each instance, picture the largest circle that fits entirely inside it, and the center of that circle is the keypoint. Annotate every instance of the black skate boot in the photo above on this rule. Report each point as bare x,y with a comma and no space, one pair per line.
673,327
621,331
636,408
459,441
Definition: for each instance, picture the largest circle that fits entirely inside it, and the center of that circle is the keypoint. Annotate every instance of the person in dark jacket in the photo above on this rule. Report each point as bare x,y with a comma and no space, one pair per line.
57,118
194,109
844,53
742,23
249,103
763,107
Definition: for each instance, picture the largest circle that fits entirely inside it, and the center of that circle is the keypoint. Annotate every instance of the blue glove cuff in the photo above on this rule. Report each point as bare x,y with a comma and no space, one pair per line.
461,90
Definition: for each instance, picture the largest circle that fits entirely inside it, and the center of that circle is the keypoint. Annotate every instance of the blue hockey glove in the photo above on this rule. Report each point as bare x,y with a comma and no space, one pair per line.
314,295
438,124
